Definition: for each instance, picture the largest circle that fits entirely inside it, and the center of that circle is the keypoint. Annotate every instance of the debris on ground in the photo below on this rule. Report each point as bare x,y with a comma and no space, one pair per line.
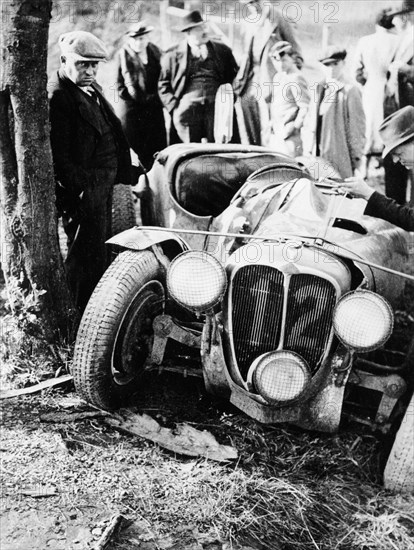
184,439
51,382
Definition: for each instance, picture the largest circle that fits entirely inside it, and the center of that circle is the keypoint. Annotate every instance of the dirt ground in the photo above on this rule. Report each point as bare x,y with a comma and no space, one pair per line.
63,482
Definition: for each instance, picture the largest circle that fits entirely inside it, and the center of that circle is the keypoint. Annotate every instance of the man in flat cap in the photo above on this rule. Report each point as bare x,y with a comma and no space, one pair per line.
191,73
138,104
339,118
290,101
90,155
265,25
397,134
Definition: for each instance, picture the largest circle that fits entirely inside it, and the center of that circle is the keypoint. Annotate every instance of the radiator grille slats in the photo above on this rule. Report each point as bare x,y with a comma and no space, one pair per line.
309,316
257,299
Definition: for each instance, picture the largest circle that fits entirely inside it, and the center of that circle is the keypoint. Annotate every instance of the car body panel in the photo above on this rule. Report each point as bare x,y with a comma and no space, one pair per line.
298,230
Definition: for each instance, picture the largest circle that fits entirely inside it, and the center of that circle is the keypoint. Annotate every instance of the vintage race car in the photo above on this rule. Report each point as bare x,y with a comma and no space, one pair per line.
278,289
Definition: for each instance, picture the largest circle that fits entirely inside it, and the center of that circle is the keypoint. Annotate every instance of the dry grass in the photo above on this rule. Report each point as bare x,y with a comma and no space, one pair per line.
290,490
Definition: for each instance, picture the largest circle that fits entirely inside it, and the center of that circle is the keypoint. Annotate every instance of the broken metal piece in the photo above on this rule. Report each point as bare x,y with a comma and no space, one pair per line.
183,439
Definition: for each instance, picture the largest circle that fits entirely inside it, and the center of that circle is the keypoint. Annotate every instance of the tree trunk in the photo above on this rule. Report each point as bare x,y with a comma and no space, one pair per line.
31,260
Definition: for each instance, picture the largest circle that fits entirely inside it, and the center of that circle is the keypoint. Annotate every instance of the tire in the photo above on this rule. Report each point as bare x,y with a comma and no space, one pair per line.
123,209
115,335
399,470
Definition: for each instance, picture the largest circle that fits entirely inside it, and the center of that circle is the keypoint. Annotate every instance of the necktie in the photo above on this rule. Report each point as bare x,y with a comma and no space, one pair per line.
93,95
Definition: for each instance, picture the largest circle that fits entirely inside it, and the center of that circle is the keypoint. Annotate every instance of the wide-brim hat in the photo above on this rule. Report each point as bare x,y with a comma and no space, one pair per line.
192,19
407,6
82,46
397,129
333,53
139,29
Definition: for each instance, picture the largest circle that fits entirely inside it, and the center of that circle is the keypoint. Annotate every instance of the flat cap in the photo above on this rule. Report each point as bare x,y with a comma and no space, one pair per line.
384,19
83,46
139,29
281,47
397,129
333,53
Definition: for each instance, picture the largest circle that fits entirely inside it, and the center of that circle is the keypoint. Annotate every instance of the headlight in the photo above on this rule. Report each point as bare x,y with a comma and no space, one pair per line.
363,320
196,280
280,377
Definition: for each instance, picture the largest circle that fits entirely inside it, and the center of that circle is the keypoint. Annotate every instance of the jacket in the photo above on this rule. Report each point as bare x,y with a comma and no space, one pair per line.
387,209
174,71
75,135
132,79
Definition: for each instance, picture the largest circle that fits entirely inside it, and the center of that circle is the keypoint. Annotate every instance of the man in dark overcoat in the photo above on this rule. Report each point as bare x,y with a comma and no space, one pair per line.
138,104
90,156
400,88
397,133
191,73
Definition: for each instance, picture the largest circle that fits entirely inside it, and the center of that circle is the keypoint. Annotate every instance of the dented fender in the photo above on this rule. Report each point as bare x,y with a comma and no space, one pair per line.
142,238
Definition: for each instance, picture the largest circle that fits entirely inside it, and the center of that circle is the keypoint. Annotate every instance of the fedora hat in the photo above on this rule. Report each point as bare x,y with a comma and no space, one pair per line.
397,129
192,19
406,7
83,46
333,53
139,29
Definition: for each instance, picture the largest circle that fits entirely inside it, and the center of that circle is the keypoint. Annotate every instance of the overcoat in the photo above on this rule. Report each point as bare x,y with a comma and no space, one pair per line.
340,132
174,70
84,179
138,104
373,57
75,136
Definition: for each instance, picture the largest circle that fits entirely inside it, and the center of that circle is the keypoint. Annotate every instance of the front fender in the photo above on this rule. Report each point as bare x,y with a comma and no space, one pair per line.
141,238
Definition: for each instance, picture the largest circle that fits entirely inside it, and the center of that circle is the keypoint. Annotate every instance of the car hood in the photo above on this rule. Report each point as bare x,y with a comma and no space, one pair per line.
298,207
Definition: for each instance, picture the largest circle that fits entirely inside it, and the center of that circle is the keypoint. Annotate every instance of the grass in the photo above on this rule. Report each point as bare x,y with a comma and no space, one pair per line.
289,490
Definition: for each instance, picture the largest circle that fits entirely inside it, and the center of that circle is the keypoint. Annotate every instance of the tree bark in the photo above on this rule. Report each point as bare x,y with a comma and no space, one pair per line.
31,259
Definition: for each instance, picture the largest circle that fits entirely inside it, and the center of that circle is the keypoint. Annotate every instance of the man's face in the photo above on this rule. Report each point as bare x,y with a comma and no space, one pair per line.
140,43
82,73
284,63
402,20
198,35
404,153
253,6
334,69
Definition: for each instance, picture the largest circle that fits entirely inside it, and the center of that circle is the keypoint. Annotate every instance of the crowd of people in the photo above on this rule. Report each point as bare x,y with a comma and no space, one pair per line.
92,145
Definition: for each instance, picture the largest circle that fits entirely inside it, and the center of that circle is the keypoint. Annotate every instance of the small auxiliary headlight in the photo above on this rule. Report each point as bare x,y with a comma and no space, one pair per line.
280,377
363,320
196,280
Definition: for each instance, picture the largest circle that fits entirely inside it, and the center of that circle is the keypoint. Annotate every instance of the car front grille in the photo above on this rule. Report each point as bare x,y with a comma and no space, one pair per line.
257,296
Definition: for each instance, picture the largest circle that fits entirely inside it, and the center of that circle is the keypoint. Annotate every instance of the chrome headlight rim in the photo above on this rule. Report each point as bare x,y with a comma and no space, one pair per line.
182,295
263,361
374,297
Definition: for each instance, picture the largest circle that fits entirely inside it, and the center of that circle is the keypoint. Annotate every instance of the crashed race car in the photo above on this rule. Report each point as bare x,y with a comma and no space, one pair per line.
269,284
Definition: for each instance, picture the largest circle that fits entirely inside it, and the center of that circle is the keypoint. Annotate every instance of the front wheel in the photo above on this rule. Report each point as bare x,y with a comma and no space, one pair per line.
115,335
399,470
